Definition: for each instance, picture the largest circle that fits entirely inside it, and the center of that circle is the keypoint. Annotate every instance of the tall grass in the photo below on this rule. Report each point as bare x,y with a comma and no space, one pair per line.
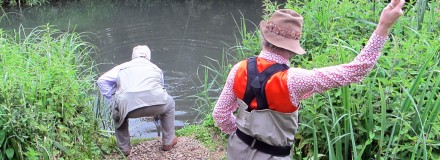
46,96
394,113
421,10
23,2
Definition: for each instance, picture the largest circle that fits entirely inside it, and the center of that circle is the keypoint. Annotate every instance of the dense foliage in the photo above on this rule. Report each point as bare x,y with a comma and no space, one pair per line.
22,2
394,113
46,105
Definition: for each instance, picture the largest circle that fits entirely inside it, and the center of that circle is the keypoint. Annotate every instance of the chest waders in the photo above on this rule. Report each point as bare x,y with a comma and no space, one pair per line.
255,88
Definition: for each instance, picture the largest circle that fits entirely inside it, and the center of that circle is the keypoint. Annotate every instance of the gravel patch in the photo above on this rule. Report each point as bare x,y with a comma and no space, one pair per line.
186,148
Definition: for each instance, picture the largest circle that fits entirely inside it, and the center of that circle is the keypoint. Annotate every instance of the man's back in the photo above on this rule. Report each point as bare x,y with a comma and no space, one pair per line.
139,75
139,84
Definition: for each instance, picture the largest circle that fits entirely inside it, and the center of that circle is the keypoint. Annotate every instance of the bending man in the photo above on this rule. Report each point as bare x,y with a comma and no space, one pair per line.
137,89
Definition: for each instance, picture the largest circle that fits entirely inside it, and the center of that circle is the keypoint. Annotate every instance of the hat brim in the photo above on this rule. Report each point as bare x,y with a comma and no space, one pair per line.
281,41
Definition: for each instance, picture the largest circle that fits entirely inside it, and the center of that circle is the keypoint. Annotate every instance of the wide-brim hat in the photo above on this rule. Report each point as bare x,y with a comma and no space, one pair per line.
284,30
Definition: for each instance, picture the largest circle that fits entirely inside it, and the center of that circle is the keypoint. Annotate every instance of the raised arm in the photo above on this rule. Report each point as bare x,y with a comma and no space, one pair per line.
390,14
303,83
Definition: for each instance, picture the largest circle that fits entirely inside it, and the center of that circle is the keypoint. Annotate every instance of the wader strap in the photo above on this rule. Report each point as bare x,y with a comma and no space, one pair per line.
256,82
249,94
280,151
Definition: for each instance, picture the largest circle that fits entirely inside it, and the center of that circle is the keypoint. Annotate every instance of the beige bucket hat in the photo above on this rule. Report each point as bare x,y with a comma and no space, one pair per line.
284,30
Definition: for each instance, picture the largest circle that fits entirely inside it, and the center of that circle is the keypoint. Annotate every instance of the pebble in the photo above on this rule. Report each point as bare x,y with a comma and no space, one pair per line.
186,148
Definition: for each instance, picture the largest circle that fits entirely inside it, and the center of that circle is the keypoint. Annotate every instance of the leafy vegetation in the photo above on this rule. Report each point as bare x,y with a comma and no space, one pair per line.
22,2
206,132
46,100
393,114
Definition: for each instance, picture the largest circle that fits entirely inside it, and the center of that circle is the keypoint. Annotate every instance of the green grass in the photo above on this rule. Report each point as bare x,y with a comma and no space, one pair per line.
136,141
23,2
46,101
393,114
206,133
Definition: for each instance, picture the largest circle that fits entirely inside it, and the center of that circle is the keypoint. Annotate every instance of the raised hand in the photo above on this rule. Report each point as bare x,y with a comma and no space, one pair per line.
390,14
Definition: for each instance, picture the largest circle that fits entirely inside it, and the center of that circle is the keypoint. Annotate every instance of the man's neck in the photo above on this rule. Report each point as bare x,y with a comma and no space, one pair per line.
284,55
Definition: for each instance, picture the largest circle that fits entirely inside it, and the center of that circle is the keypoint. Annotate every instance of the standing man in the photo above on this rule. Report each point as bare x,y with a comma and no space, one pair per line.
137,89
267,91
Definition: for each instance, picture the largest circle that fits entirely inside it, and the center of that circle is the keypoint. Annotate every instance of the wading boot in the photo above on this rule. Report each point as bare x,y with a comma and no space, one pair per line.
169,147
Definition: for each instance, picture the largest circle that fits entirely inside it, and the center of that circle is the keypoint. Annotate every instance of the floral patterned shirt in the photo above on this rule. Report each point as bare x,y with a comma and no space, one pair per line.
302,83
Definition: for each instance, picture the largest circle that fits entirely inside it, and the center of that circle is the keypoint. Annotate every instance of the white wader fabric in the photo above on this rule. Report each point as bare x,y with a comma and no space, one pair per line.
272,127
140,93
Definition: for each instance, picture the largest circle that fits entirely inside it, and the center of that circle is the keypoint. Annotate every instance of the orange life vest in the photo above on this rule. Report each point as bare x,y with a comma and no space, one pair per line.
276,90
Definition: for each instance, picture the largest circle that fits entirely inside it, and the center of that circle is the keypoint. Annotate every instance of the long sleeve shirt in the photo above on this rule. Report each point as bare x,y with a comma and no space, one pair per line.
302,83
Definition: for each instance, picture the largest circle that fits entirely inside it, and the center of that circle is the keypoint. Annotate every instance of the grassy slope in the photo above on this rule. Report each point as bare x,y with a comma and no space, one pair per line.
46,104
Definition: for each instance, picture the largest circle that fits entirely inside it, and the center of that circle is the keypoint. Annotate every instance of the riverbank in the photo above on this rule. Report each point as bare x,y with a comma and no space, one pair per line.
46,107
187,148
198,141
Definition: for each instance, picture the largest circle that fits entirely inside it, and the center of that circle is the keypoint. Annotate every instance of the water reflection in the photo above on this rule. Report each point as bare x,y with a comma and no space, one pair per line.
180,33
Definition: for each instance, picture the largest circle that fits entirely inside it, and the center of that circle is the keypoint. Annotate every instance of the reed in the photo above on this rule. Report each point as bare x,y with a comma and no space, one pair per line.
422,6
21,3
46,103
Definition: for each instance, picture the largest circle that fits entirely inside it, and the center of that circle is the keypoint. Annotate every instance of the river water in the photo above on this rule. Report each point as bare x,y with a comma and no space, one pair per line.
180,33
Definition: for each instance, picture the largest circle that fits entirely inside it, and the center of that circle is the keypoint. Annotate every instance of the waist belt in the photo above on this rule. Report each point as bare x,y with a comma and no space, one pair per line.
280,151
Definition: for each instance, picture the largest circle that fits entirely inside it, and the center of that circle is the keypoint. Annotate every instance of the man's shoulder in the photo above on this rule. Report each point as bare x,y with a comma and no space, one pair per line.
137,62
124,65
